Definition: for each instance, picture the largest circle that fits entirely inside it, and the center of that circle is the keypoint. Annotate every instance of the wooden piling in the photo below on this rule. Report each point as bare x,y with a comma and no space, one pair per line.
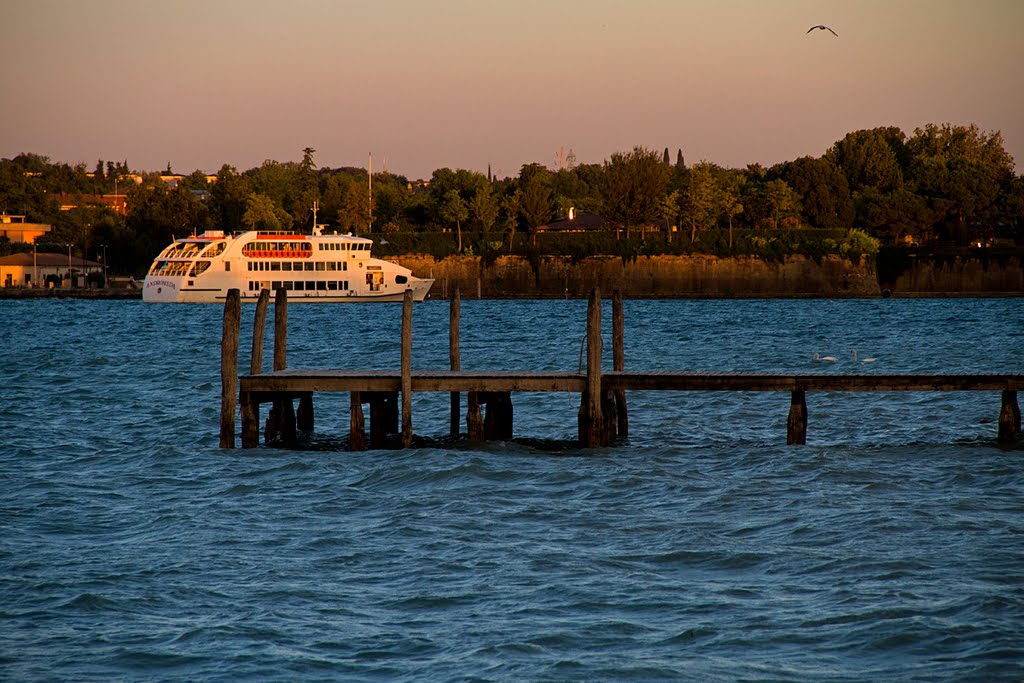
304,415
474,418
281,421
1009,418
250,420
498,420
796,425
591,423
229,367
619,361
259,325
249,405
281,330
356,423
407,369
454,314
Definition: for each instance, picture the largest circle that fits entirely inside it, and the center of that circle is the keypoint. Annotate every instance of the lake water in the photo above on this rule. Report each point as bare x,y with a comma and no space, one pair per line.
889,548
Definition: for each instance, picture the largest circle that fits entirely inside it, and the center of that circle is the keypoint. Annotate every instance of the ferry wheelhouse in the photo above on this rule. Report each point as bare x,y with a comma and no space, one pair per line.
314,268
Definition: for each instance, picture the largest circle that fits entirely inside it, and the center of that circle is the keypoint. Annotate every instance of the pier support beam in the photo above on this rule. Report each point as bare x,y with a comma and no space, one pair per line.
250,405
498,420
591,417
1009,419
356,423
454,313
407,369
619,363
796,426
250,420
474,418
304,416
259,325
281,420
229,367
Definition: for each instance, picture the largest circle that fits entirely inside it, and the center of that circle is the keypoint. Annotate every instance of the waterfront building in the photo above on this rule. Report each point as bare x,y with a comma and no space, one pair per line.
46,270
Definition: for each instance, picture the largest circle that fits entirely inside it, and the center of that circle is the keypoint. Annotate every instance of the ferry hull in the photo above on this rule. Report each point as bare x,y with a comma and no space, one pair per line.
165,291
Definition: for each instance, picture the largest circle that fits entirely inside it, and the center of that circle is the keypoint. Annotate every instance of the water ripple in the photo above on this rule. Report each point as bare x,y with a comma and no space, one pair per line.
701,548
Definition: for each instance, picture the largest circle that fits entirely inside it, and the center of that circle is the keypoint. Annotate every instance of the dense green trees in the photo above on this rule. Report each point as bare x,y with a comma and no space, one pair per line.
942,184
634,183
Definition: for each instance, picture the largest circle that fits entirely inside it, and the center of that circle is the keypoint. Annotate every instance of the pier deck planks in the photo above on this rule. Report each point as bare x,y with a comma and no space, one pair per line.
298,380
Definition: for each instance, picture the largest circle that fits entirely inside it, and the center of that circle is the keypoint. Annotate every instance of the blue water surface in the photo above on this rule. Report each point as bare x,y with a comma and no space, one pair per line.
889,548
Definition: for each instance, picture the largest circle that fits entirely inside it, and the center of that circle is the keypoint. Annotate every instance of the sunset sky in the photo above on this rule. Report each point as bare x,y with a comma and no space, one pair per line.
467,83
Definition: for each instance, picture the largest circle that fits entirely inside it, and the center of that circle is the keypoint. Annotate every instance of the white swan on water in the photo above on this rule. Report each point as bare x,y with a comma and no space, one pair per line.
862,360
828,359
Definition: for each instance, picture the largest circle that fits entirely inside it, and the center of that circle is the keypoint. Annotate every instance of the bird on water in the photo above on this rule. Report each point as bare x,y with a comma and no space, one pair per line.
822,27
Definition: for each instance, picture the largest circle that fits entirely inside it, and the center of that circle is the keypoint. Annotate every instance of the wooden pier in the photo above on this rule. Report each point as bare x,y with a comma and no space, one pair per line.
602,417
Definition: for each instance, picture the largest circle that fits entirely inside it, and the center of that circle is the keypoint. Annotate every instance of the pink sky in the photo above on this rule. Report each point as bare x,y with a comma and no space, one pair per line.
467,83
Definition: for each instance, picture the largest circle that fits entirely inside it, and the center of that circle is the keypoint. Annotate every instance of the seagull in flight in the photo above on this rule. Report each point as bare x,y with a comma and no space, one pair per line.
823,28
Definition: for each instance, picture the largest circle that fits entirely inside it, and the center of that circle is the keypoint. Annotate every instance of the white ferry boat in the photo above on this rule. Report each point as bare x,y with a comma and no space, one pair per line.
313,268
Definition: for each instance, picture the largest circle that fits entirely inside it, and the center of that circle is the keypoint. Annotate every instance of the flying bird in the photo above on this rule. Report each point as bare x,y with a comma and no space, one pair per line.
822,27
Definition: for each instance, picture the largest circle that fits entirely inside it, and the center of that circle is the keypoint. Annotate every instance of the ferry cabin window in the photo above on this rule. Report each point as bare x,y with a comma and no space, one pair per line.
227,266
401,279
286,265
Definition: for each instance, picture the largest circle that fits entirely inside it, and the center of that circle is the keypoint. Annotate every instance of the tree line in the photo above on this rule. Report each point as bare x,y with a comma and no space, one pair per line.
943,184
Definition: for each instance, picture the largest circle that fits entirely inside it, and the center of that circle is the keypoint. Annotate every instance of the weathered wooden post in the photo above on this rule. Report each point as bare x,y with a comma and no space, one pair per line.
407,369
250,420
356,423
619,361
591,423
796,425
304,415
259,324
280,330
249,404
474,418
454,313
281,421
229,367
498,420
1009,418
